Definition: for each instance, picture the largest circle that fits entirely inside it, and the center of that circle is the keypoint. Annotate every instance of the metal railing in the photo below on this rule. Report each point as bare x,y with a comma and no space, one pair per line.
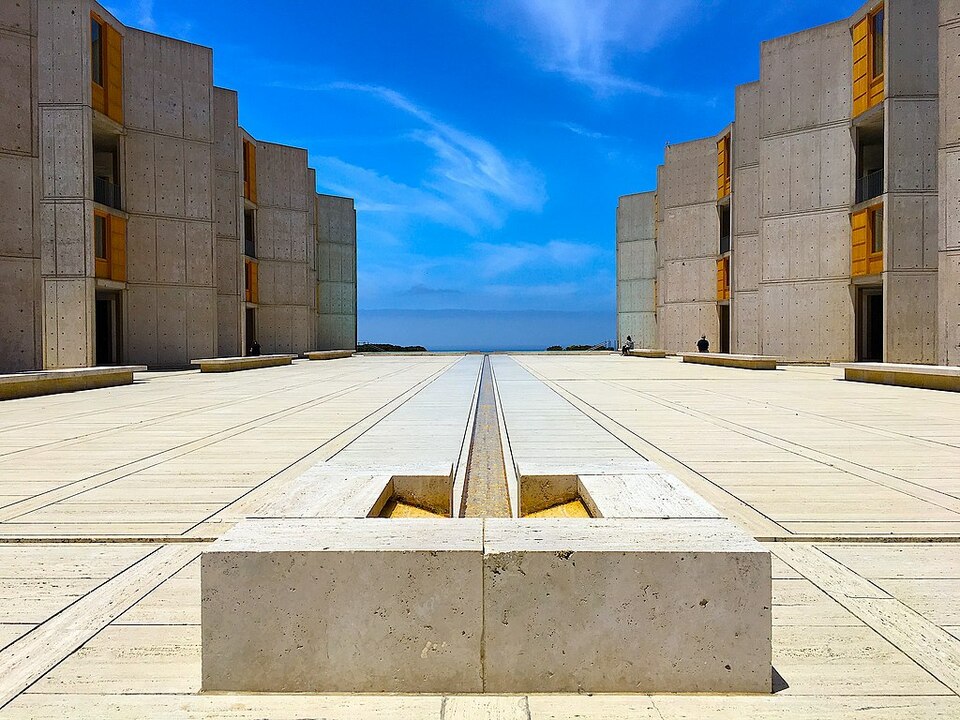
107,192
870,186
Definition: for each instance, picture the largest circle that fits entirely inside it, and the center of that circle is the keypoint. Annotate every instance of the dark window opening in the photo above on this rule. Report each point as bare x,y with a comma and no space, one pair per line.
100,240
251,328
870,325
108,325
96,54
106,171
724,328
878,44
249,234
724,229
869,163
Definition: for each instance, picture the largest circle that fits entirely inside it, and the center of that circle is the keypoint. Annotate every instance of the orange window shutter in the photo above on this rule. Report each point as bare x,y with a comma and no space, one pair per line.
860,249
861,66
114,73
254,285
118,248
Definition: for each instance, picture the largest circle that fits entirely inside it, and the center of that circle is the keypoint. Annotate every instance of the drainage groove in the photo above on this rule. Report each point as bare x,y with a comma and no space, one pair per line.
485,488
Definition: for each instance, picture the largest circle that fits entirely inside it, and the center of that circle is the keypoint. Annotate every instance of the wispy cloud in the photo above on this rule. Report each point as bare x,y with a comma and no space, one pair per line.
581,39
584,132
494,260
471,183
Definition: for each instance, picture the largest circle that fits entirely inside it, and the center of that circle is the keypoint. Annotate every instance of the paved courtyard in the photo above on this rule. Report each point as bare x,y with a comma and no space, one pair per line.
108,497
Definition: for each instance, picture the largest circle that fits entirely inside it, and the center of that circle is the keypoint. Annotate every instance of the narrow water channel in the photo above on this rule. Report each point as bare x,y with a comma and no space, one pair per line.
485,487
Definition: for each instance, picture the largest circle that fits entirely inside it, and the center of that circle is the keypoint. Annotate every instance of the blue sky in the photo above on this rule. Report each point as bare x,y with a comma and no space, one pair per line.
485,143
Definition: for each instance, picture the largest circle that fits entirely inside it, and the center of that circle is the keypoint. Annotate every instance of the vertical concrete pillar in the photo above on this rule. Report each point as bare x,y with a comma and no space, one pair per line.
637,270
65,215
228,206
910,201
746,331
948,324
20,309
336,273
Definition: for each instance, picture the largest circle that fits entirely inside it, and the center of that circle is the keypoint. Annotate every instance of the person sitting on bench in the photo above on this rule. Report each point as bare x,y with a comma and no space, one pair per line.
628,346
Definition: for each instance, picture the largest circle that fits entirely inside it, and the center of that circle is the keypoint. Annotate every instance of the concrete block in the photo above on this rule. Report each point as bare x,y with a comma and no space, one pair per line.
197,180
169,171
929,377
16,210
141,327
744,362
171,252
558,616
51,382
911,150
16,79
199,245
62,152
344,605
234,364
20,278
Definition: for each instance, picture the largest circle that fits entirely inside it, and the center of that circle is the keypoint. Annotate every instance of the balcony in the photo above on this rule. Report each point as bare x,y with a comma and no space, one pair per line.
869,186
106,192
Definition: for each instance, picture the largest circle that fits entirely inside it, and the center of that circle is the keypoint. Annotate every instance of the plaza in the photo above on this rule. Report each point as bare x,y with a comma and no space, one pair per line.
110,497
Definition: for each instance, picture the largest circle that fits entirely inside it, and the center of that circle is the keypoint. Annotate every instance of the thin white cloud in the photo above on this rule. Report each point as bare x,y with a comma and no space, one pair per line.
470,185
494,260
581,39
145,18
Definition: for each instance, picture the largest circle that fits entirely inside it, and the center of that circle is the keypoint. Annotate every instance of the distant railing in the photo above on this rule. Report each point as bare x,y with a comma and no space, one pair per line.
870,186
106,192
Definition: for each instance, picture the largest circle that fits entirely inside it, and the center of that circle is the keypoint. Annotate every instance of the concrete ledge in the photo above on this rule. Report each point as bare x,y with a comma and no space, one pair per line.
50,382
495,605
625,606
232,364
344,605
327,354
746,362
647,353
929,377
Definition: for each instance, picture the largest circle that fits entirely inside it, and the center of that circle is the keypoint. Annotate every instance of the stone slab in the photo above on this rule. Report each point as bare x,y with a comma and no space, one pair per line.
233,364
344,605
327,354
625,606
647,353
745,362
644,495
929,377
50,382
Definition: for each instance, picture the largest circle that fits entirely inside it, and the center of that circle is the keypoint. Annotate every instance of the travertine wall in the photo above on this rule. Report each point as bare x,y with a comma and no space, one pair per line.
20,311
745,258
910,202
637,270
806,187
336,273
286,320
228,206
171,309
949,190
687,246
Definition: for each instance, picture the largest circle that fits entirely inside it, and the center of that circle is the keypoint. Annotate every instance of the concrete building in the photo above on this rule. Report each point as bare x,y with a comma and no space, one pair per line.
818,240
637,269
137,225
948,320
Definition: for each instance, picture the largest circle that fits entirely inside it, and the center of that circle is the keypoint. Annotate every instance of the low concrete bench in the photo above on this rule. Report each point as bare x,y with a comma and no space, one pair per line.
49,382
232,364
929,377
328,354
647,353
746,362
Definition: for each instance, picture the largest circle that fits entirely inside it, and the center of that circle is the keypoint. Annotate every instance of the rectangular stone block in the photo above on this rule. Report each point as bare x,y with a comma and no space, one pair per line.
344,605
625,606
744,362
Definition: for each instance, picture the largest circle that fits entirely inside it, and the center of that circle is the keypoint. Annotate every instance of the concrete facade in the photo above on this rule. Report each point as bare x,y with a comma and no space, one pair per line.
949,248
687,243
637,269
808,163
122,231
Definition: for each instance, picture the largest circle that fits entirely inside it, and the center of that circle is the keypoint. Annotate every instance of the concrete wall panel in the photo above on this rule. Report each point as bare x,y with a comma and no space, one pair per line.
16,79
910,316
912,145
64,69
911,47
16,206
171,252
948,317
199,239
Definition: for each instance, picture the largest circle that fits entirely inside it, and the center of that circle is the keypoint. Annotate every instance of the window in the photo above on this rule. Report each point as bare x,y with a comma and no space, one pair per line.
96,54
724,228
249,171
877,44
249,234
876,231
101,240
